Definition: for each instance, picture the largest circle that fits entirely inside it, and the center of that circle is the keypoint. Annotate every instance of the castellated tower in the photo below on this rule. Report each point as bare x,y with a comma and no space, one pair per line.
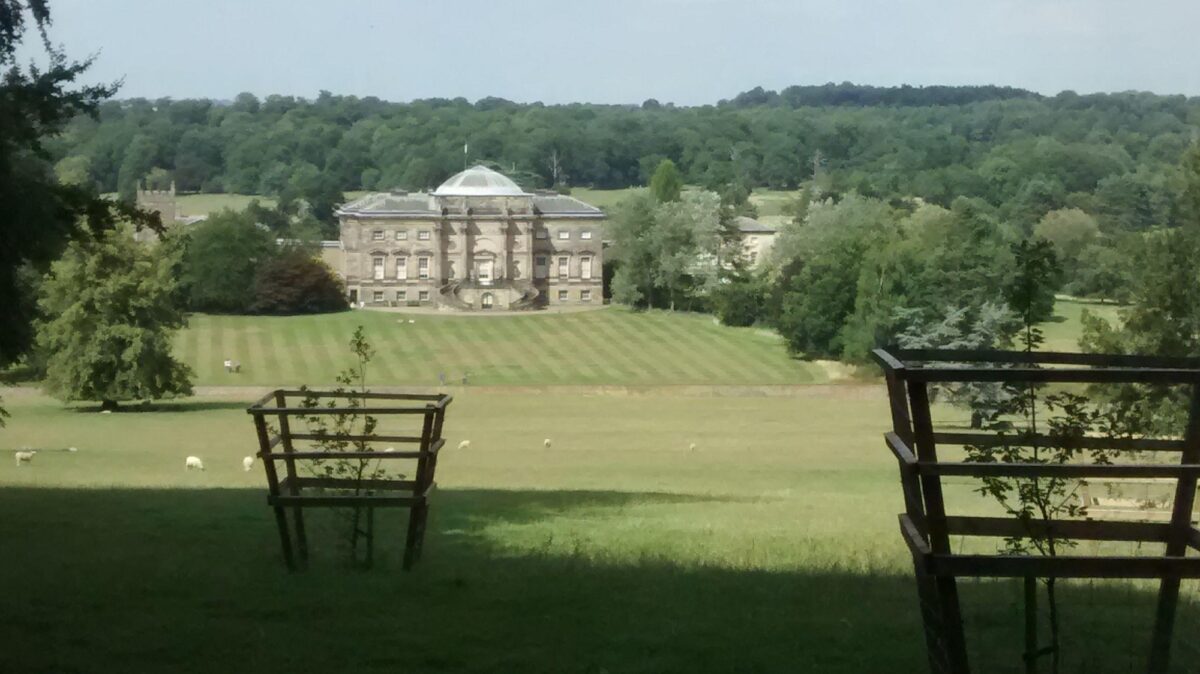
157,201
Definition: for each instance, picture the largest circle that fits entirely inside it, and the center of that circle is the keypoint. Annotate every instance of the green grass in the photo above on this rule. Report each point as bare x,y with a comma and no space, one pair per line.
611,346
771,548
1063,333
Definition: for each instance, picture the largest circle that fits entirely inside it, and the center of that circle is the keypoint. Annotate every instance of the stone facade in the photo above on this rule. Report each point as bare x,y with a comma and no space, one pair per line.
757,240
478,242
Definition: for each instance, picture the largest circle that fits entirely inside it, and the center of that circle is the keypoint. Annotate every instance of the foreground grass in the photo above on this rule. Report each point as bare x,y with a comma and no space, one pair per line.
609,346
770,548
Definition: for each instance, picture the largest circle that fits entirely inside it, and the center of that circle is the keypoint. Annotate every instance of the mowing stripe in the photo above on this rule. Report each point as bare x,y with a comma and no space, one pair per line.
620,331
599,353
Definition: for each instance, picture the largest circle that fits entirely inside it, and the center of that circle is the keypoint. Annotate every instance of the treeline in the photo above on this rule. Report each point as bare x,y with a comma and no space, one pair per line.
1111,155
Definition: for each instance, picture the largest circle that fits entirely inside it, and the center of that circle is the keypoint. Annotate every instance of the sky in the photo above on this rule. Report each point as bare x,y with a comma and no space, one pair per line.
689,52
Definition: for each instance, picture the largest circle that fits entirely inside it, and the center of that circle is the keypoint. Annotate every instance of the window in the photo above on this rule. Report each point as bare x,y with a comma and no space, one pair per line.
486,301
423,295
423,267
753,257
401,295
562,296
563,263
377,296
585,296
378,262
423,235
541,234
585,235
377,235
585,267
401,235
541,265
402,267
564,234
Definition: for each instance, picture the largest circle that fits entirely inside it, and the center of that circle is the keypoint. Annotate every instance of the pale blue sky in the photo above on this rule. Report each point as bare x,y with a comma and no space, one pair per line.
624,51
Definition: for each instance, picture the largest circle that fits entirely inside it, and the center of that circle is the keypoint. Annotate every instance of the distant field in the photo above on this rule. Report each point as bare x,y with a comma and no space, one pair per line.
608,346
1062,334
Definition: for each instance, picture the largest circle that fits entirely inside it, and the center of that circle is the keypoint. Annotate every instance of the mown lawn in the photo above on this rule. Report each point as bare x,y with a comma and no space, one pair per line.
770,548
609,346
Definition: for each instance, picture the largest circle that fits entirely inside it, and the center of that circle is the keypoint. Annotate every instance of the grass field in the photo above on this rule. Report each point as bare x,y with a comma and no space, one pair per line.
770,548
607,346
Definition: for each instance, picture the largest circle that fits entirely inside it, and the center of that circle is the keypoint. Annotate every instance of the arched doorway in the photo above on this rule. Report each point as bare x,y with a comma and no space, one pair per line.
486,301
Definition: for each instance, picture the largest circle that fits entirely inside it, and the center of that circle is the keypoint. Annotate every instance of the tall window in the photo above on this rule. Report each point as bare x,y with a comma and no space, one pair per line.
402,267
378,262
585,267
486,301
563,263
423,267
541,266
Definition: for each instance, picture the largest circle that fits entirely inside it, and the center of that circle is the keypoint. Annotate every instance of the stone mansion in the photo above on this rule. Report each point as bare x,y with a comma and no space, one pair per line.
476,242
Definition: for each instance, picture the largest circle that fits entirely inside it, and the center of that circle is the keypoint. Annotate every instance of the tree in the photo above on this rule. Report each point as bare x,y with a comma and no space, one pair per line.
666,185
41,214
222,258
295,282
111,312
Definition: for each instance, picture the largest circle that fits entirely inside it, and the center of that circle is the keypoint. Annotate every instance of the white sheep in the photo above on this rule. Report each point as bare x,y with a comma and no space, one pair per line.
24,457
389,449
692,447
411,321
465,444
193,462
72,449
546,442
248,463
105,411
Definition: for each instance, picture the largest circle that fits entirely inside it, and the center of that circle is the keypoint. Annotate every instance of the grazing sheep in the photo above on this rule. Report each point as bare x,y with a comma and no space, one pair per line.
546,442
465,444
193,462
24,457
72,449
105,411
692,447
390,449
247,463
411,321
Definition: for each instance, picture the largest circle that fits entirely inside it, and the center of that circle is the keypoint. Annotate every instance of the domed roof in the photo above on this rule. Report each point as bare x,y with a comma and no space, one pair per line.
479,181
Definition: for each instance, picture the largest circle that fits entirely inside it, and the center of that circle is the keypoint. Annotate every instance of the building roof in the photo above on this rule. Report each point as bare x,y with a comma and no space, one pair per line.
479,181
427,205
751,226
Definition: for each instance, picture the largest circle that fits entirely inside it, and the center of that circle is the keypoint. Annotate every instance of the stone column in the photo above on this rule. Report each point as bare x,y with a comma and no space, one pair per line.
464,250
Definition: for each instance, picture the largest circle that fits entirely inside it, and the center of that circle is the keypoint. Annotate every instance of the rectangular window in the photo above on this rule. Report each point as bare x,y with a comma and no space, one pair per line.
423,267
564,234
423,295
378,262
585,267
423,235
377,296
562,296
402,268
541,234
541,266
585,296
401,235
377,235
563,263
401,295
585,235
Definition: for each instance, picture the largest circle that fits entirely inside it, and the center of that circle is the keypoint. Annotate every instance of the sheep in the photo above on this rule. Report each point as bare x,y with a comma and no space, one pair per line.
465,444
411,321
248,463
105,411
24,457
193,462
72,449
692,447
546,443
389,449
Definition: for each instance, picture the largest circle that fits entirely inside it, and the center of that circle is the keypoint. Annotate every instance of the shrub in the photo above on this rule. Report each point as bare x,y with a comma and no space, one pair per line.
295,282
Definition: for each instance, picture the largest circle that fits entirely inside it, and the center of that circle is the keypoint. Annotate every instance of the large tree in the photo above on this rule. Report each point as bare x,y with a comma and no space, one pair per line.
224,254
111,311
40,213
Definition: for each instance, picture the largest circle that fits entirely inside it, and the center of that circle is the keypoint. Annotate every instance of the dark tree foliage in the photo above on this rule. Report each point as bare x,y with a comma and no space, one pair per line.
297,283
39,215
222,257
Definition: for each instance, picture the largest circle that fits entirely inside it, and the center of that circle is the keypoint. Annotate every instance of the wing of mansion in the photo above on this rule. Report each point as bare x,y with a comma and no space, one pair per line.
478,241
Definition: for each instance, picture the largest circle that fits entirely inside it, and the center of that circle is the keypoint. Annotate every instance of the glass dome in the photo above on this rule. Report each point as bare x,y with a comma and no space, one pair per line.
479,181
